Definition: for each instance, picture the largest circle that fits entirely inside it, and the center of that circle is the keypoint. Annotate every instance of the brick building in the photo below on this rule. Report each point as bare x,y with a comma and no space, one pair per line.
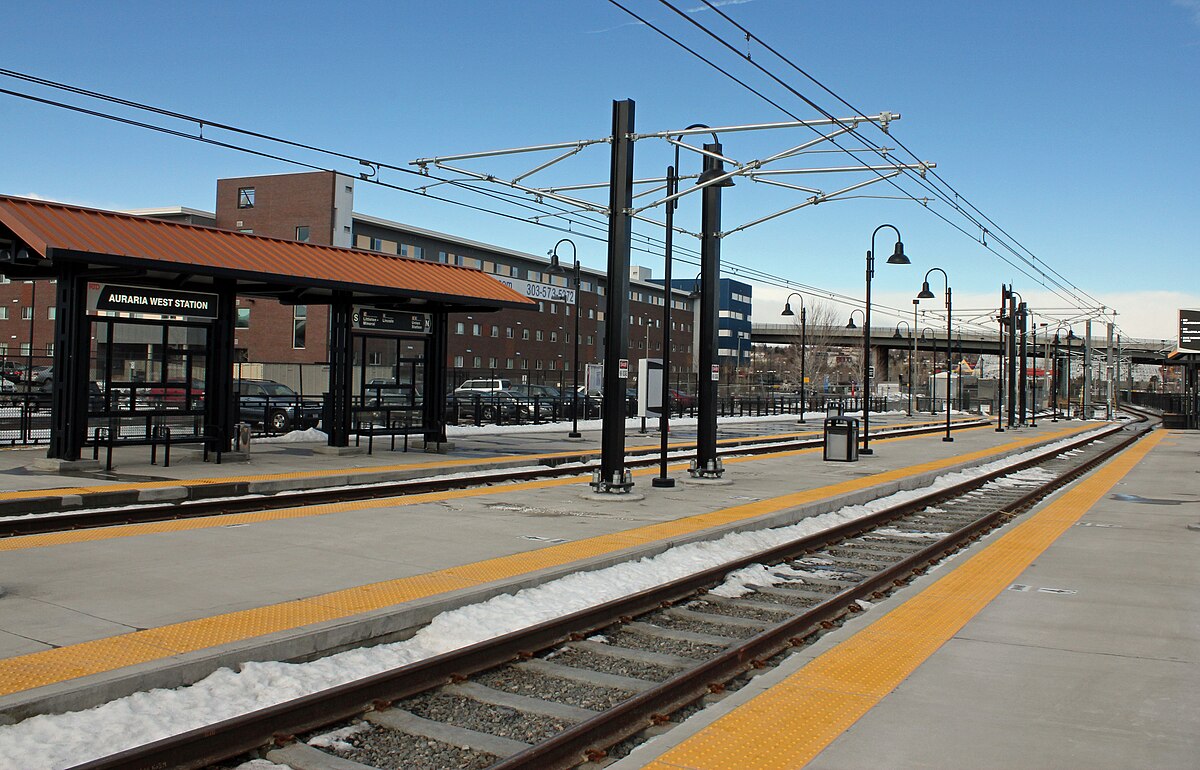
318,207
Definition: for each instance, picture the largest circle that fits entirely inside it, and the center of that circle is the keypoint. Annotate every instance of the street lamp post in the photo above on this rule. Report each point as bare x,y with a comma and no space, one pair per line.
927,294
933,349
787,310
910,361
556,267
897,258
1054,379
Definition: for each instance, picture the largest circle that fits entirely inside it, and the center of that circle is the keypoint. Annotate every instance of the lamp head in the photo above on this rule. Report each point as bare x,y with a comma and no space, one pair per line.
851,325
925,292
1056,339
896,335
1071,334
898,257
710,174
787,309
555,264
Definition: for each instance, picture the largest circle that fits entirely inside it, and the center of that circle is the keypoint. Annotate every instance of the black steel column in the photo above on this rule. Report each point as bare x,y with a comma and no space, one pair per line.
341,370
72,355
434,379
1023,318
1000,354
1012,357
220,400
707,464
612,475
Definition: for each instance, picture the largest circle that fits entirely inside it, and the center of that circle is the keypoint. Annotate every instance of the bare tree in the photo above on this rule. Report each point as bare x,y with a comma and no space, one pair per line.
822,359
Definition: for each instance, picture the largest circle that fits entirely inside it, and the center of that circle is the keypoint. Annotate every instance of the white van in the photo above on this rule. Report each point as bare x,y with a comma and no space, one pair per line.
483,386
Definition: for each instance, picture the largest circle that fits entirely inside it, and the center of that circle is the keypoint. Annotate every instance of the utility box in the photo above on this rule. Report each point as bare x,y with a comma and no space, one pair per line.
841,439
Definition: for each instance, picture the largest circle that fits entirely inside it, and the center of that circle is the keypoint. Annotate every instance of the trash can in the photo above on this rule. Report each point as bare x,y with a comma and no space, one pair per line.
841,439
833,409
241,437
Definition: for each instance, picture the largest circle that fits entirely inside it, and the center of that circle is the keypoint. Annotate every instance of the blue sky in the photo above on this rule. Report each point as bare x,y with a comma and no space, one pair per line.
1067,123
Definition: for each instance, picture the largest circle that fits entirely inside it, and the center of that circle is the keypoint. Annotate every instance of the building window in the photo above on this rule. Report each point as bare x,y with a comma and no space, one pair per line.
243,318
51,312
524,363
26,313
302,233
495,331
458,362
539,364
245,197
475,330
25,349
554,336
374,358
539,335
3,348
299,325
491,363
508,363
3,313
554,308
477,362
508,332
460,328
524,334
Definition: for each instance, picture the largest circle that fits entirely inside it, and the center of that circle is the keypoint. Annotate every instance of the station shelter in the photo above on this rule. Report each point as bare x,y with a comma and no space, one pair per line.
145,318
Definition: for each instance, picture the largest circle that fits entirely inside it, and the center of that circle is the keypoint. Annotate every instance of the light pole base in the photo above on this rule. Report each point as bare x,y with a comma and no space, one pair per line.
947,438
713,470
866,451
662,483
574,434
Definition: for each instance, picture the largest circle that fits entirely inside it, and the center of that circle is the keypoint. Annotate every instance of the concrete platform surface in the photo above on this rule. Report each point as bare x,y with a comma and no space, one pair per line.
1089,659
113,608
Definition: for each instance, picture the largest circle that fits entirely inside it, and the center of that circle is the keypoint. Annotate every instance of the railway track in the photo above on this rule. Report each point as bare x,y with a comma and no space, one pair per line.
541,468
580,689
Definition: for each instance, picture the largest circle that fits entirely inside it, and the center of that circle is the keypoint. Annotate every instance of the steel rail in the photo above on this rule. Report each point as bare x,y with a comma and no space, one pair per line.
280,723
551,467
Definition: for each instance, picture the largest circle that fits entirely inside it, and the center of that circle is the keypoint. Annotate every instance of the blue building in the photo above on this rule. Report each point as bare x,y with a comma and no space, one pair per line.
734,305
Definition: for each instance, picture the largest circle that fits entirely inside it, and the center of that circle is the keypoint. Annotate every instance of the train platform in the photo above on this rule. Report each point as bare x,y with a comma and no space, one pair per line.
1069,640
302,461
91,615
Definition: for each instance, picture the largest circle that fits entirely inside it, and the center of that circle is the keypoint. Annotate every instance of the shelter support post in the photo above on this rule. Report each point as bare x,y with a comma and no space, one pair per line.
220,402
434,382
341,365
72,355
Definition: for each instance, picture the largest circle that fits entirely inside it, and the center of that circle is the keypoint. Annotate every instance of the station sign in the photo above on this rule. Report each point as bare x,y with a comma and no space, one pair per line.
371,319
144,299
1189,331
533,290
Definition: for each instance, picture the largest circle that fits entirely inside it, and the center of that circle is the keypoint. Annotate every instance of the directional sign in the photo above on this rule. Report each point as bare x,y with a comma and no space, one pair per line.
1189,331
391,321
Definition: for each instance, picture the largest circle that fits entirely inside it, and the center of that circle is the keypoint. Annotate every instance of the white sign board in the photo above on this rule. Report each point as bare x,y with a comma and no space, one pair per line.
649,398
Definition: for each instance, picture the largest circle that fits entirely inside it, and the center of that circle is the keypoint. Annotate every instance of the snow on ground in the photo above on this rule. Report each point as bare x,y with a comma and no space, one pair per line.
63,740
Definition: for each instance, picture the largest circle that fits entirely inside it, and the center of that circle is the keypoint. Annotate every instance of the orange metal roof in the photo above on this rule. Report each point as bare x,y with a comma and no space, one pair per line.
106,237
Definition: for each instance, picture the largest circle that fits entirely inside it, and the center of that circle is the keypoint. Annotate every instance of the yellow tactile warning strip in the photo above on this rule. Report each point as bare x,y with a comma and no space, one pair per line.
473,463
50,666
787,726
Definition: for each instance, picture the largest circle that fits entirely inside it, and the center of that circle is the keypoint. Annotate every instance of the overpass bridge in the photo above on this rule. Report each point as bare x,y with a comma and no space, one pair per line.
933,337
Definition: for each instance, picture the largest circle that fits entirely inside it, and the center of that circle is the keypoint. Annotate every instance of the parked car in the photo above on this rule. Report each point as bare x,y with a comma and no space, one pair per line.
13,371
275,406
681,401
483,386
8,392
174,394
488,406
41,377
386,392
